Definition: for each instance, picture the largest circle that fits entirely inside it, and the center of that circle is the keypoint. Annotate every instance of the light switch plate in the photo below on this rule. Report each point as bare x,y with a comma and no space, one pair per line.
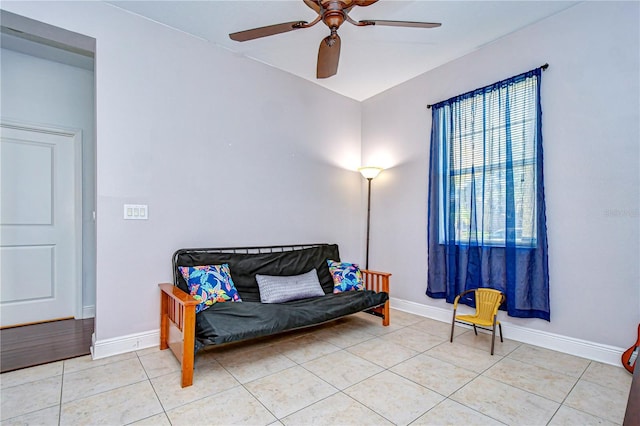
136,211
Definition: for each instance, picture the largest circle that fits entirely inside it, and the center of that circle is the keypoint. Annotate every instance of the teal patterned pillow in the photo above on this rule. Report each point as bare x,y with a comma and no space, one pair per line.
346,276
210,284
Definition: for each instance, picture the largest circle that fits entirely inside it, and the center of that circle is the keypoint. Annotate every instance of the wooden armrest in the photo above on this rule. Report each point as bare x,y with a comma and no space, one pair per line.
369,271
178,312
376,281
179,295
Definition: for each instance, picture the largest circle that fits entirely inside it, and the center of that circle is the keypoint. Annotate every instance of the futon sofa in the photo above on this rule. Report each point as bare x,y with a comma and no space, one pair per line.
279,271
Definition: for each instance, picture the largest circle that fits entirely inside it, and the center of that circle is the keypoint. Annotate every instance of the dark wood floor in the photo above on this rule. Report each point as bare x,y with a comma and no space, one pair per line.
36,344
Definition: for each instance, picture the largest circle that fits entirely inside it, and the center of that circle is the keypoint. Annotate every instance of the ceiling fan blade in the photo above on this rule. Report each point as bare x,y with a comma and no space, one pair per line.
269,30
328,56
401,23
313,5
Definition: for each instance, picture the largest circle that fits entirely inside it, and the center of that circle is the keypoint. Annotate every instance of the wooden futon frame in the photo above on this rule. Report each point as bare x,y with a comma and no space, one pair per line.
178,311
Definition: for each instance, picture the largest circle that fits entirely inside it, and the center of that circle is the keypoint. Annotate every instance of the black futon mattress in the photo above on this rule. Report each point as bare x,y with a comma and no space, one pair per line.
229,322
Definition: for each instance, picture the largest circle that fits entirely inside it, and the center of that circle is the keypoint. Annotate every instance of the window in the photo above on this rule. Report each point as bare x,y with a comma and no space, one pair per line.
488,166
487,222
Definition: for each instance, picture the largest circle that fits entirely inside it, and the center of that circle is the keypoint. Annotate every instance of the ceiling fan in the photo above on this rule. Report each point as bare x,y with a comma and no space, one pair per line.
333,13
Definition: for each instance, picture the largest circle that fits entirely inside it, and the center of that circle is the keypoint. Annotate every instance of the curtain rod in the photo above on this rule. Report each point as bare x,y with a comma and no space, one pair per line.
542,67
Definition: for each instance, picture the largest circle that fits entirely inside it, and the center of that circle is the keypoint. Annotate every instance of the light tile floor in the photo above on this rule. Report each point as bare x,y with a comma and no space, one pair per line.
348,372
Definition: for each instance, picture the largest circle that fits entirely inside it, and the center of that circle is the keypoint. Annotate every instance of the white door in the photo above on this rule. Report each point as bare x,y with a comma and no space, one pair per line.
40,224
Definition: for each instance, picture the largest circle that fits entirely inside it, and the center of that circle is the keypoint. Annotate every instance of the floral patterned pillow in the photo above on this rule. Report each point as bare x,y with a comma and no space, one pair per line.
210,284
346,276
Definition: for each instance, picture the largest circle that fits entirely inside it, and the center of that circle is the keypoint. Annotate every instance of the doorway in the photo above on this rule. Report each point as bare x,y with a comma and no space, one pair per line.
48,173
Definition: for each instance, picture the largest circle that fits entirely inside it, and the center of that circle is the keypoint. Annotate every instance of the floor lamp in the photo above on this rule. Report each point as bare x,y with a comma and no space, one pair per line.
369,173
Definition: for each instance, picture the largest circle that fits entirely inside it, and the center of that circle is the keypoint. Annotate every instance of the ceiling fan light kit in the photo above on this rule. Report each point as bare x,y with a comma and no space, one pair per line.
333,13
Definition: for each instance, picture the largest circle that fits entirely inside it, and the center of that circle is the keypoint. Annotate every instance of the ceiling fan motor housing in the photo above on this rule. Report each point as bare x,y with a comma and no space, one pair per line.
332,13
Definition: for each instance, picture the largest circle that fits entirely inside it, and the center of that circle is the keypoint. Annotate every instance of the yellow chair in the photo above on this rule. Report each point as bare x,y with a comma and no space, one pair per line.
487,303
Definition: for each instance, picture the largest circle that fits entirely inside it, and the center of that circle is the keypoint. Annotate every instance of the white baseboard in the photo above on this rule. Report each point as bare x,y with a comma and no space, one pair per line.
582,348
129,343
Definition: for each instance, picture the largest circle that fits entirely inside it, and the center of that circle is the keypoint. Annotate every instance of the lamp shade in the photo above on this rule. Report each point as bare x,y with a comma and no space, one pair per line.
370,172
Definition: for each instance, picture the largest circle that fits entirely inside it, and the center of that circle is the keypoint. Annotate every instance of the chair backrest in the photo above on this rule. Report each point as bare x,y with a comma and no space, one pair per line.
487,303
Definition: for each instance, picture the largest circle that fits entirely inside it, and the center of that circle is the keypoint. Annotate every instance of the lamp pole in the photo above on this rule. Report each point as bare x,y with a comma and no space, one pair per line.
369,173
368,219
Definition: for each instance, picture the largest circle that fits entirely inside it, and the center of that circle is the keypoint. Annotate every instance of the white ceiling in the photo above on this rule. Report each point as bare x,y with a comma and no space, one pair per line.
372,59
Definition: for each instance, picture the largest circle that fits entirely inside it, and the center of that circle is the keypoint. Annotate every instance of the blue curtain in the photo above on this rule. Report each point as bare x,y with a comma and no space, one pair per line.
487,223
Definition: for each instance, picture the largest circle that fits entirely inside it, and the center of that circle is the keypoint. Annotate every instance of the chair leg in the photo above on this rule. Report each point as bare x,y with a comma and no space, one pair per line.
493,337
500,328
475,330
453,324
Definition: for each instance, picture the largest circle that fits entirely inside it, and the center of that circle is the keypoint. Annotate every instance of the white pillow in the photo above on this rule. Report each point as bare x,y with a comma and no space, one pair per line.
274,289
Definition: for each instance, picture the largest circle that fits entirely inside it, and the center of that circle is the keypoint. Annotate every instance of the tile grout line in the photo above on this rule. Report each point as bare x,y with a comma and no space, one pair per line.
571,390
61,388
341,391
569,393
244,387
155,392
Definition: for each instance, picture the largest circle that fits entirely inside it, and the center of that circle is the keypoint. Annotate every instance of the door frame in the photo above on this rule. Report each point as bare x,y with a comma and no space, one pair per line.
76,136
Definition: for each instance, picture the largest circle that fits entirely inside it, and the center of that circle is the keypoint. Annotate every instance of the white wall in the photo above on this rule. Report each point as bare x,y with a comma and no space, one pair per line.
590,96
39,91
224,150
